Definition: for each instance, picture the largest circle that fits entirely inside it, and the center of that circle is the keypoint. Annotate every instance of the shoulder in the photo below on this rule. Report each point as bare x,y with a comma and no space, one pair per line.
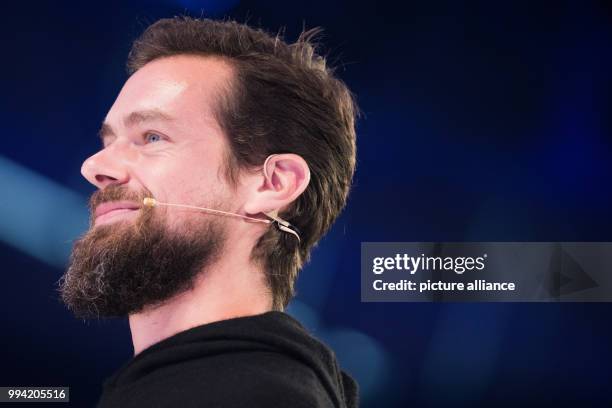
271,379
253,379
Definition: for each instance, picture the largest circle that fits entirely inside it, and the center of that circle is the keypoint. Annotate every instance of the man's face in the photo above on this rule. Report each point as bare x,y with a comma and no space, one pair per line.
161,140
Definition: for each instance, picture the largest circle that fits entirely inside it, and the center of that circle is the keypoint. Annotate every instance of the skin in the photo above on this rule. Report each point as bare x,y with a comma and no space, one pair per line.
161,134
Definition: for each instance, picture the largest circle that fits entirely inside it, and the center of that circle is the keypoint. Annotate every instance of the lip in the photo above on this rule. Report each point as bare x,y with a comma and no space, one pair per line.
115,207
114,215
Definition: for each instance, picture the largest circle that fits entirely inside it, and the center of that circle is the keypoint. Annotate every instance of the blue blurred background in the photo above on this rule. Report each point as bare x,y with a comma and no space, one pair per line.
481,122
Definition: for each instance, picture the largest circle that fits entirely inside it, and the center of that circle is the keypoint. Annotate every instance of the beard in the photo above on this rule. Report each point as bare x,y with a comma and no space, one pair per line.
127,266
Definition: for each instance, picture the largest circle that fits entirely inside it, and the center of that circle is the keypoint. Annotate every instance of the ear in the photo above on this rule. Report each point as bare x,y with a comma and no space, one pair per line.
281,181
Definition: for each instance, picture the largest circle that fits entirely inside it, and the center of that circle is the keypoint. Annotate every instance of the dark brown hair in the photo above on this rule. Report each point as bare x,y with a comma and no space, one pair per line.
283,99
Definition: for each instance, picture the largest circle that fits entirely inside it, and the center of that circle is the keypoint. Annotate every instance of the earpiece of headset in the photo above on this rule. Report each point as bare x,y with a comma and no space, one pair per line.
281,224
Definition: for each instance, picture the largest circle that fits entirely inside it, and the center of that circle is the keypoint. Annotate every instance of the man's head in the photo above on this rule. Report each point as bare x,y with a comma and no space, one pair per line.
206,103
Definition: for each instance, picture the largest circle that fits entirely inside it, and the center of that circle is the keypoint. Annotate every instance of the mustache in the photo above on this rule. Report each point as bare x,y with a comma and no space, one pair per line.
116,193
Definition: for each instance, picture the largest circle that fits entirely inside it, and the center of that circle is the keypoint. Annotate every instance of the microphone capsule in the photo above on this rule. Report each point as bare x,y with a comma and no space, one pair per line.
149,202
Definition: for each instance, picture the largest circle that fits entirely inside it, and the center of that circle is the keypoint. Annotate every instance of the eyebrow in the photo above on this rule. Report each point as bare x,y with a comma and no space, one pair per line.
133,119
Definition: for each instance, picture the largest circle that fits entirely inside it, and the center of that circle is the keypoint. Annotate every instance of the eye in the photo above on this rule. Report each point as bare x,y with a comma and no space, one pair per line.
153,137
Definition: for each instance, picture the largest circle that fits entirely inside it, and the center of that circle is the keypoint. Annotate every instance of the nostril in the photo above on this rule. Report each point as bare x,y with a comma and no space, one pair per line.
100,178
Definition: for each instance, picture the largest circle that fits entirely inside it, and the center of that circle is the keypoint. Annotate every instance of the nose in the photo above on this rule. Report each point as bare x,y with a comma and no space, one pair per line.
108,166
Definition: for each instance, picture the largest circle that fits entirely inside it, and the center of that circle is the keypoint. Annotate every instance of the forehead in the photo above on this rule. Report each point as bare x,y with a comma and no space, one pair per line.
182,86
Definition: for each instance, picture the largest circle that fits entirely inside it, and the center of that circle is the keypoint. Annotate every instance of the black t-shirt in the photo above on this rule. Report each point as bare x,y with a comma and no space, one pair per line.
267,360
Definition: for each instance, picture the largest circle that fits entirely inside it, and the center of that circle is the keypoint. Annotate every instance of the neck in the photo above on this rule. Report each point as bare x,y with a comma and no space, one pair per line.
232,287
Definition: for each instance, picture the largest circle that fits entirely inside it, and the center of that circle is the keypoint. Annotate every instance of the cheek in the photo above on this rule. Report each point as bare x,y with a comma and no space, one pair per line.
184,181
198,173
158,179
188,173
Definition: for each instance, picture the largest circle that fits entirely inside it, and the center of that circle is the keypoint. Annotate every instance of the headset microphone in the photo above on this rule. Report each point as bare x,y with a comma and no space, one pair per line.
274,218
